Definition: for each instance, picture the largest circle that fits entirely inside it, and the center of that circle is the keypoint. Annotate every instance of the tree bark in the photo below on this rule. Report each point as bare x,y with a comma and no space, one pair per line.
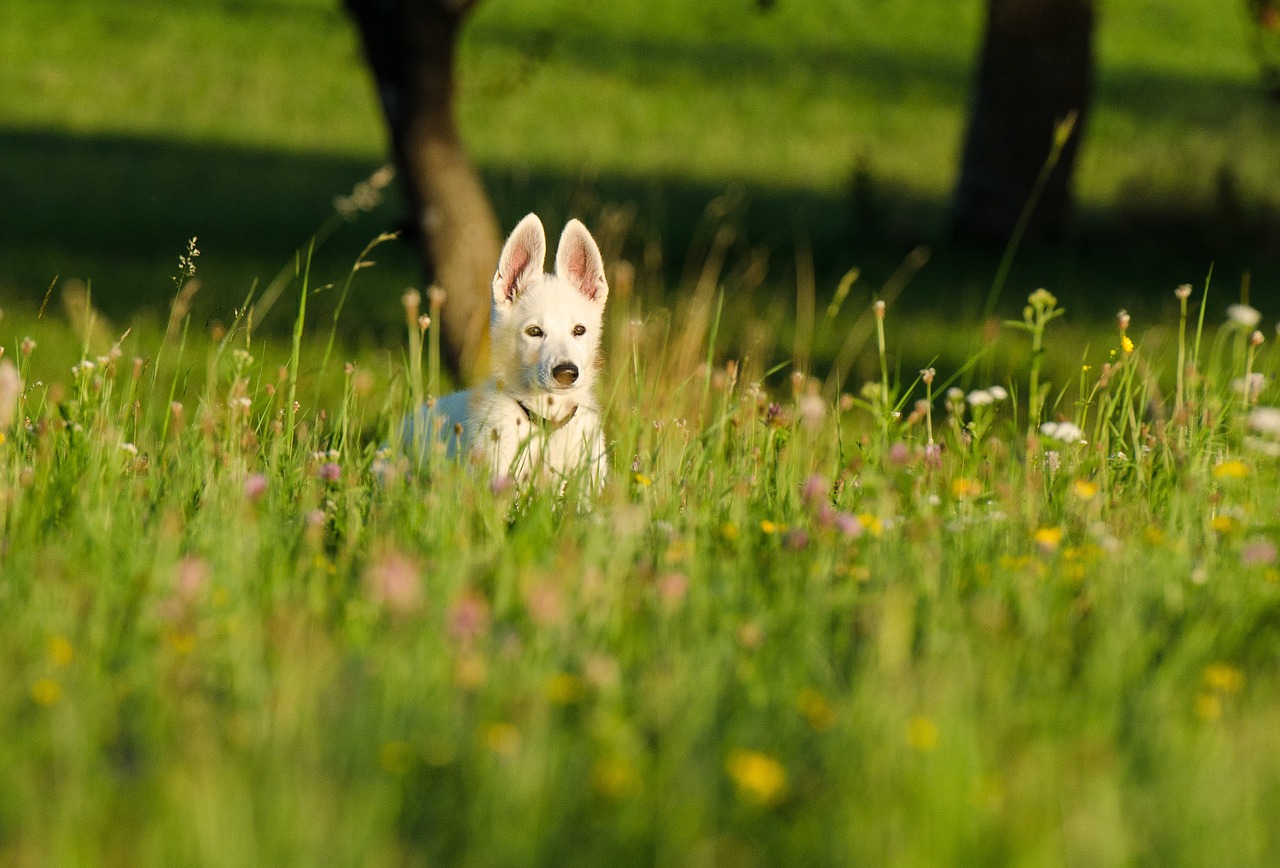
1036,68
410,47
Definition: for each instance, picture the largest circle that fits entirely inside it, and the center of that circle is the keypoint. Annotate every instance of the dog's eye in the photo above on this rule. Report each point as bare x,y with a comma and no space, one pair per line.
579,331
533,332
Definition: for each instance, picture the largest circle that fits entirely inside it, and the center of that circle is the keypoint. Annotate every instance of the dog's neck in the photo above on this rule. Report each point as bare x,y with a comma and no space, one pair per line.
547,422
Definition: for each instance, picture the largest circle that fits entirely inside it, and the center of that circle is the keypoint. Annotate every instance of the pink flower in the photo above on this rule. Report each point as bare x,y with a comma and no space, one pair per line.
815,489
468,617
672,588
192,576
848,524
330,472
255,485
393,581
899,454
796,539
1258,553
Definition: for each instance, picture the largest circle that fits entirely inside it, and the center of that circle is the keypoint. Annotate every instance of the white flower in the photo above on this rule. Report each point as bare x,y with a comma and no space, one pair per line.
998,392
130,448
1244,316
10,390
1066,432
1252,385
980,398
1264,420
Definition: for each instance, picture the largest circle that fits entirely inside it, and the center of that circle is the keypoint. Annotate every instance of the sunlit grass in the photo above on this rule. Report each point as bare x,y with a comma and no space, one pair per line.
796,626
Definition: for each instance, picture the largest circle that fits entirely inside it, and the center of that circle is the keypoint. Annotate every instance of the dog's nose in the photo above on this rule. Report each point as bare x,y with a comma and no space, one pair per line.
566,373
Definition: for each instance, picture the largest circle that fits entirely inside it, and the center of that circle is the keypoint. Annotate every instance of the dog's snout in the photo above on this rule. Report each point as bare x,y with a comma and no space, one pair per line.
566,373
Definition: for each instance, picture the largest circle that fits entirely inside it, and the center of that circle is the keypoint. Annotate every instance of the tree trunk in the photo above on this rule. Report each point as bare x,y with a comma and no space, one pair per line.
410,47
1036,68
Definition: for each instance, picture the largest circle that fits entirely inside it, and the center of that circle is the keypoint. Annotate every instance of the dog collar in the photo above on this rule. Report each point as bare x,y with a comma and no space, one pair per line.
535,419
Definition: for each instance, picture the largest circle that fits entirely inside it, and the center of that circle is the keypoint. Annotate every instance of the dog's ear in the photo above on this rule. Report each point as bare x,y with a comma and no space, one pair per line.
521,259
578,261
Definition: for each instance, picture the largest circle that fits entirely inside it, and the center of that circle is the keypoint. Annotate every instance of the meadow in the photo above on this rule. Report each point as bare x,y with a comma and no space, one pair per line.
868,584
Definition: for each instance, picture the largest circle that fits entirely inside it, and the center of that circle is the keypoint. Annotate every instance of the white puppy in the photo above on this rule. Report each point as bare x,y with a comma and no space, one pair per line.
536,417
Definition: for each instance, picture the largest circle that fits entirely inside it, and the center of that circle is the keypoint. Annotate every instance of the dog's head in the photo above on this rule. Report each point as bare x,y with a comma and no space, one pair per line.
545,328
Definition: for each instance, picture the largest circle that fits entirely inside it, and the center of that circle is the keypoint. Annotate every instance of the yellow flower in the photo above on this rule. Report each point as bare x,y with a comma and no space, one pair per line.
563,689
643,481
965,489
1126,344
46,691
871,524
1084,489
1222,678
922,734
815,708
1233,469
1208,707
502,738
760,779
729,530
1223,524
612,775
395,757
1048,538
60,651
768,527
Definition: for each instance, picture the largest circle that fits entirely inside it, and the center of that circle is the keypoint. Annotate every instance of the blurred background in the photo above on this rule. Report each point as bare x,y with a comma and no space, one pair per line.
771,144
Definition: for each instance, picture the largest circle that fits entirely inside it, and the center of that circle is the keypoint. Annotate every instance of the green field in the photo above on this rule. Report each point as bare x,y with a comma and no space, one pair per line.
855,620
128,128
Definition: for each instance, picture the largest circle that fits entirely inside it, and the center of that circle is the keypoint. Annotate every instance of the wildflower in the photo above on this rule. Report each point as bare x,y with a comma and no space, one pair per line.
1256,339
922,734
980,398
1223,678
1047,538
963,488
255,485
130,449
815,489
643,481
1122,320
871,524
10,391
1231,469
927,376
672,588
1208,707
424,322
729,531
27,347
330,471
1064,432
899,454
612,776
1250,385
998,392
46,691
1223,524
191,577
879,308
1183,292
502,738
60,651
815,709
796,539
1264,420
1126,344
436,297
1084,489
563,689
468,617
812,410
1244,316
933,456
393,581
1258,553
848,525
471,671
760,779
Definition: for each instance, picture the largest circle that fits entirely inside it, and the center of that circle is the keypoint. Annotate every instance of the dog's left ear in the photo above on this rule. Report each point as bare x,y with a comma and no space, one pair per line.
578,261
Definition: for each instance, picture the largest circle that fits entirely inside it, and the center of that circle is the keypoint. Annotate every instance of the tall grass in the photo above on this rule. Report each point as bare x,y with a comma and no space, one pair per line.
897,625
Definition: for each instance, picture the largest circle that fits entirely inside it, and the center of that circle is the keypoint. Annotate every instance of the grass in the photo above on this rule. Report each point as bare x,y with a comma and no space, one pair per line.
839,125
842,631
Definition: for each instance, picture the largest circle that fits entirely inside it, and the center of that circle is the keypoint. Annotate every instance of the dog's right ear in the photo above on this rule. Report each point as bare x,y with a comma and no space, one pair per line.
521,260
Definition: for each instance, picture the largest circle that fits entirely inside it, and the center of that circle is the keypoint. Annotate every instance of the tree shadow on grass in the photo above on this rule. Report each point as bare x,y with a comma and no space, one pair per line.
119,210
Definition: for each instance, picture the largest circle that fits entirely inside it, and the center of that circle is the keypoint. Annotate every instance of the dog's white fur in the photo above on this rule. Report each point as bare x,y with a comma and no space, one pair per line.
530,420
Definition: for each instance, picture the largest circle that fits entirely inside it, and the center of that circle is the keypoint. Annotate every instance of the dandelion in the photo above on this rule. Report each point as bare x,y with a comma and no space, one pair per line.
759,778
45,691
1223,678
60,651
1084,489
1047,538
1244,316
872,524
922,734
643,481
815,709
1126,344
768,527
1224,524
1231,469
502,738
